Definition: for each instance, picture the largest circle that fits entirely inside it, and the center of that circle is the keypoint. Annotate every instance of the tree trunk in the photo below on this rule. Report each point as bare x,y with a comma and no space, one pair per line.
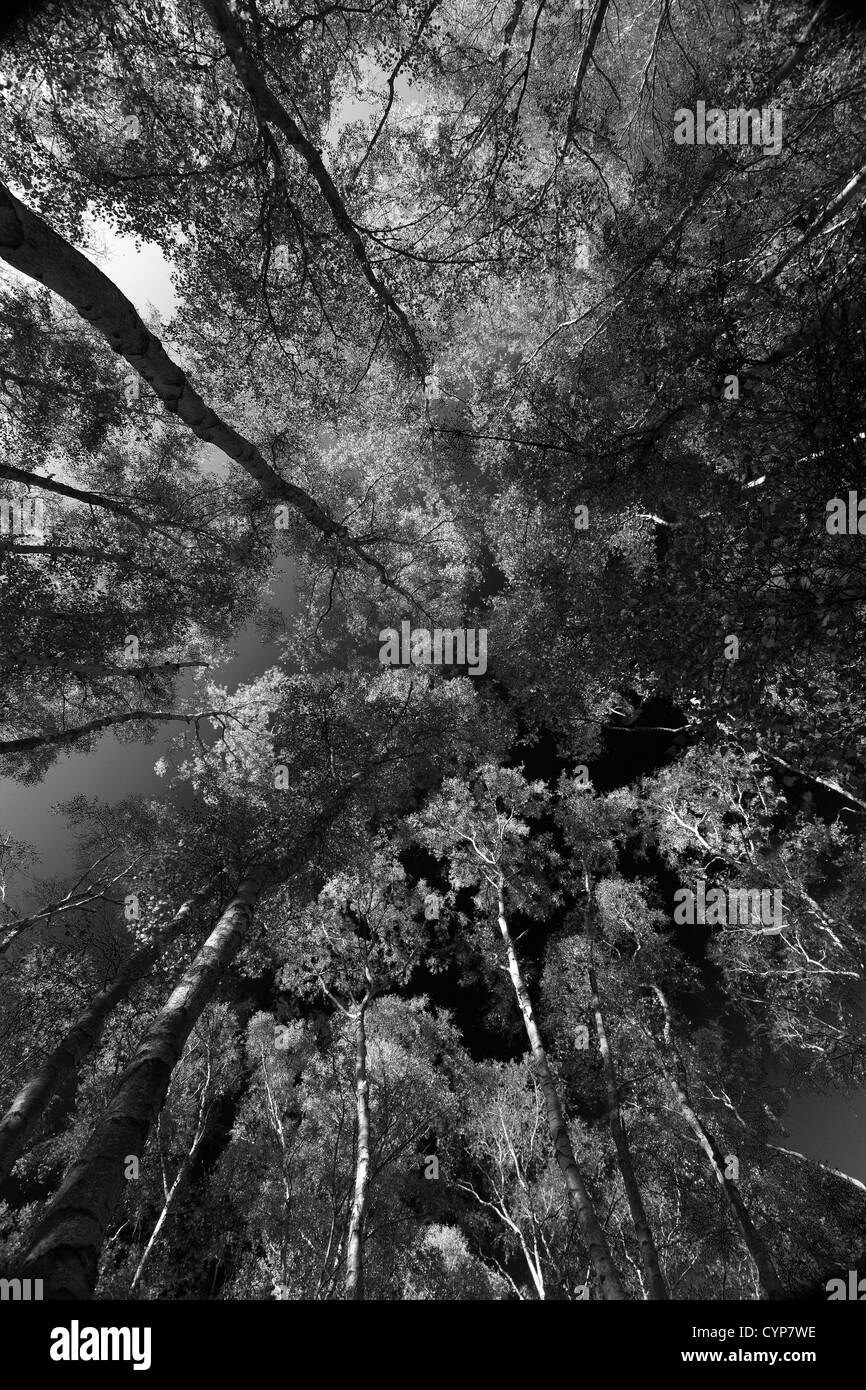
355,1247
33,248
646,1244
853,188
29,1106
163,1216
676,1079
581,1202
93,726
65,1248
588,49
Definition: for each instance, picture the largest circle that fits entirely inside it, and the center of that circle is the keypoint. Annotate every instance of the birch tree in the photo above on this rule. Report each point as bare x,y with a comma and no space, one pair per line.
479,828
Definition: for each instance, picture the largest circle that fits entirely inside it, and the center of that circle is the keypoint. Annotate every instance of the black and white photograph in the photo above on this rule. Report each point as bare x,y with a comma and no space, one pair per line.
432,679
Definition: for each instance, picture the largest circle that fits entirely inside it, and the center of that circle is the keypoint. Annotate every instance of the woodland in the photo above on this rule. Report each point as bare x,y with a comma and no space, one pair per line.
382,996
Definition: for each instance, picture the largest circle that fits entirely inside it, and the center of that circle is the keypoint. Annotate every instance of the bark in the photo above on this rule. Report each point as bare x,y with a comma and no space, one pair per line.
646,1244
355,1245
93,726
269,109
29,1106
65,1248
279,1131
510,27
675,1075
32,247
578,1196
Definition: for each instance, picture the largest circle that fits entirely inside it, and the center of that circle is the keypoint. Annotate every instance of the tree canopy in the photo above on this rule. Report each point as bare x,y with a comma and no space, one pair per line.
476,542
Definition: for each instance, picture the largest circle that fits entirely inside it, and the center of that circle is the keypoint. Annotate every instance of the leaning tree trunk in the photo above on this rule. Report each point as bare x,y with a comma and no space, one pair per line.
33,248
646,1244
581,1202
676,1079
66,1246
95,726
355,1246
29,1106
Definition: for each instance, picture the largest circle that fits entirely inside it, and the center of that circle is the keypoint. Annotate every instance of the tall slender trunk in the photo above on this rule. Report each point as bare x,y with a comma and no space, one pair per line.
675,1076
646,1244
28,1107
581,1202
65,1248
179,1179
355,1246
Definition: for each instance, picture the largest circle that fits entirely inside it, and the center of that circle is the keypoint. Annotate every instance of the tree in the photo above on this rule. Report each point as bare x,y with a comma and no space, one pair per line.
28,1107
463,338
480,828
360,940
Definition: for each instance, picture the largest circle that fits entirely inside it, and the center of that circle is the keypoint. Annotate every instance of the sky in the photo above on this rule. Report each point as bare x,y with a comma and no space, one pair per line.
114,770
